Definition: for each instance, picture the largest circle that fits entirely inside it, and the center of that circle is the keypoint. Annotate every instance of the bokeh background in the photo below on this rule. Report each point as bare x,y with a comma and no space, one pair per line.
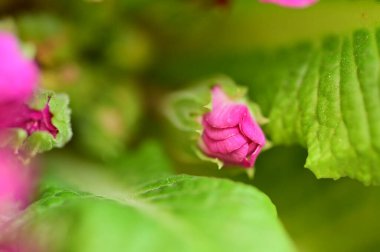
117,59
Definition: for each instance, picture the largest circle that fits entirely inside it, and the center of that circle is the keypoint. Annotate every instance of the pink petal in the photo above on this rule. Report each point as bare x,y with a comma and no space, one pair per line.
225,113
219,134
18,75
244,156
224,146
254,153
238,156
292,3
252,130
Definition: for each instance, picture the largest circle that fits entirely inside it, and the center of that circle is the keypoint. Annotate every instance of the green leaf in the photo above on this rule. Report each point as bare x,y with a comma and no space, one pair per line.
181,213
326,97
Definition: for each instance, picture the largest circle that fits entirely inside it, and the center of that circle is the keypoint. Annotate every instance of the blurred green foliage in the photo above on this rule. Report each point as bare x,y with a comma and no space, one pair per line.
117,60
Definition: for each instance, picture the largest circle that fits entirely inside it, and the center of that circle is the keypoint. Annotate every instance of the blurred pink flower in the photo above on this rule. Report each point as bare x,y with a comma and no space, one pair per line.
292,3
16,185
18,80
18,75
230,133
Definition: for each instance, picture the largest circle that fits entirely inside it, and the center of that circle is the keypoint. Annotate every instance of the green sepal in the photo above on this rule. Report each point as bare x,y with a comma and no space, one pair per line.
40,99
59,107
203,157
250,173
184,108
38,142
257,114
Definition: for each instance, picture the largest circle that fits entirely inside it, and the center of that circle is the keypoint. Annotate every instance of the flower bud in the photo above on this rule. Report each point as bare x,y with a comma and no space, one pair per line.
230,133
292,3
215,124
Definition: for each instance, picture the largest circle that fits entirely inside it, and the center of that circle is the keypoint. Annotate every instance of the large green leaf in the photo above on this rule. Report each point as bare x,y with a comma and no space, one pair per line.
326,97
181,213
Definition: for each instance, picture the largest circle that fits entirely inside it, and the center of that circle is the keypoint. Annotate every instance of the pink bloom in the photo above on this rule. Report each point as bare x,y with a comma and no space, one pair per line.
16,185
230,132
18,80
18,75
292,3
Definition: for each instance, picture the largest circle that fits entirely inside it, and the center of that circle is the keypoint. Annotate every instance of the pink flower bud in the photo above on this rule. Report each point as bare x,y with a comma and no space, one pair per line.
18,75
230,132
292,3
16,185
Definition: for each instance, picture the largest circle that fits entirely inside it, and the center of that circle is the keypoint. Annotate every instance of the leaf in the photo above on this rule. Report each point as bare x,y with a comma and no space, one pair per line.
181,213
327,99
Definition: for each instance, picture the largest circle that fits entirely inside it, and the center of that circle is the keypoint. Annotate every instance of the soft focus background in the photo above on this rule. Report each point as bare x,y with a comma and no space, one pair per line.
117,59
